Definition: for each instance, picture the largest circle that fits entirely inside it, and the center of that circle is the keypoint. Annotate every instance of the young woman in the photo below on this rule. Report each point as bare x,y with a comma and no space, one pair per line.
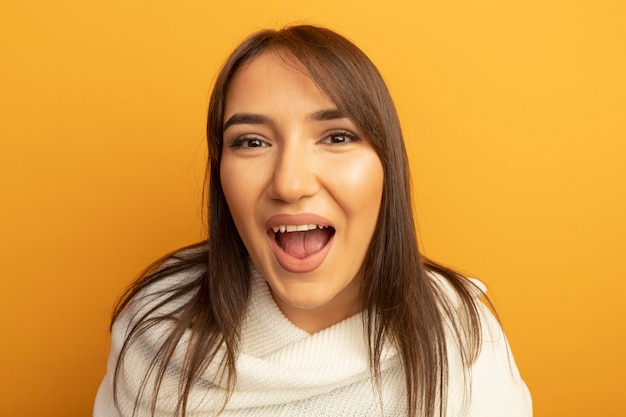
309,297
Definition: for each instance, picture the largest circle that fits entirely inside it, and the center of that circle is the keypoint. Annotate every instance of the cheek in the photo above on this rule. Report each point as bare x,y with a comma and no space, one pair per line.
359,186
243,184
233,186
358,190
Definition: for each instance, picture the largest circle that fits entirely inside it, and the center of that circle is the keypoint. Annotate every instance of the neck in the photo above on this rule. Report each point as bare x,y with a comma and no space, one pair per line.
315,319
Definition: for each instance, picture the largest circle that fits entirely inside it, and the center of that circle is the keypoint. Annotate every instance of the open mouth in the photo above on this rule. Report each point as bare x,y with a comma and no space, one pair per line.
301,241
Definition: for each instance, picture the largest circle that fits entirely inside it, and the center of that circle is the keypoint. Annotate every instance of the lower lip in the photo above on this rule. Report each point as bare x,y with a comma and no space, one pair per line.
296,265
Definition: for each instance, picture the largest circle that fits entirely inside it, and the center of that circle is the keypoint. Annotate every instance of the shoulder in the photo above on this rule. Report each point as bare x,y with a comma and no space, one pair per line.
450,286
463,299
175,274
143,323
492,384
156,300
460,299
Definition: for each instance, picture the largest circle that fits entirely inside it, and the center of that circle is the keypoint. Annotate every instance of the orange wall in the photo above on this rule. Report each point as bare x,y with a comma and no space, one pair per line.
515,119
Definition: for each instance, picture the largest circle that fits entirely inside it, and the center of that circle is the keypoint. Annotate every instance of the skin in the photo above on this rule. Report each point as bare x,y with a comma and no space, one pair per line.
289,157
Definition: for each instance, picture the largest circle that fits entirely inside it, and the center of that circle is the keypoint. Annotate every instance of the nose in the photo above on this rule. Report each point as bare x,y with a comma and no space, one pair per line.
294,175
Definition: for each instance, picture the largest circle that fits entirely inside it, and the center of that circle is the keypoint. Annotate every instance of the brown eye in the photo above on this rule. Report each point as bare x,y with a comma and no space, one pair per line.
248,143
340,138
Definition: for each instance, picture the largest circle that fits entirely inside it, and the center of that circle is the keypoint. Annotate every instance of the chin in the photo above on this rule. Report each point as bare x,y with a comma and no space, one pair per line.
303,297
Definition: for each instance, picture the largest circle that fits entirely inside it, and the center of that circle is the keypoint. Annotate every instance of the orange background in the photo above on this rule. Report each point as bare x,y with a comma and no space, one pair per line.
514,113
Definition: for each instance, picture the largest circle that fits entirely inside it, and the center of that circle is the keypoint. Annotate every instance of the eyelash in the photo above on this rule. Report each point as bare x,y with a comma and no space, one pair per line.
344,133
243,141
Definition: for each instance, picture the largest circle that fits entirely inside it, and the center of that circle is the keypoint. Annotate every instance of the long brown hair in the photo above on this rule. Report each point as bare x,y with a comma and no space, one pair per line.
403,306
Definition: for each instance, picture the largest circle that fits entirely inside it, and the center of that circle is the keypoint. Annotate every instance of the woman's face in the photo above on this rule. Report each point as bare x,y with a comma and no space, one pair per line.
304,187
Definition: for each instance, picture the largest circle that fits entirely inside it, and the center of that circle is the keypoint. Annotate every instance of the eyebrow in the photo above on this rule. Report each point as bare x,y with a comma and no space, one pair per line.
246,119
255,119
330,114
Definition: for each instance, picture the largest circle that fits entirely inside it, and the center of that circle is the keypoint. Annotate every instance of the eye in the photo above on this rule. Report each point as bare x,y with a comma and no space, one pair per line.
248,142
340,138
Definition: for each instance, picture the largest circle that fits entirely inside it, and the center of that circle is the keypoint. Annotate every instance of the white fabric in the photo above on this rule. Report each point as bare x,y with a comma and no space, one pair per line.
284,371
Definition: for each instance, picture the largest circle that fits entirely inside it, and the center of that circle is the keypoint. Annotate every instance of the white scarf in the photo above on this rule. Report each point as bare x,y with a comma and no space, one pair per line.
284,371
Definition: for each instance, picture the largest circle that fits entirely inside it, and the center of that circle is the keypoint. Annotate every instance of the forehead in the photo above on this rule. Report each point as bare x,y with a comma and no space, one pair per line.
272,78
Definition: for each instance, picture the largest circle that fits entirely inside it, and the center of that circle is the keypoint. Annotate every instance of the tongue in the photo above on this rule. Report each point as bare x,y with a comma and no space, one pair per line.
303,244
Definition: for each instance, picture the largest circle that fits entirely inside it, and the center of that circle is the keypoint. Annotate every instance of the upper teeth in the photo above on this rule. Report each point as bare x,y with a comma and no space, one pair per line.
296,228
